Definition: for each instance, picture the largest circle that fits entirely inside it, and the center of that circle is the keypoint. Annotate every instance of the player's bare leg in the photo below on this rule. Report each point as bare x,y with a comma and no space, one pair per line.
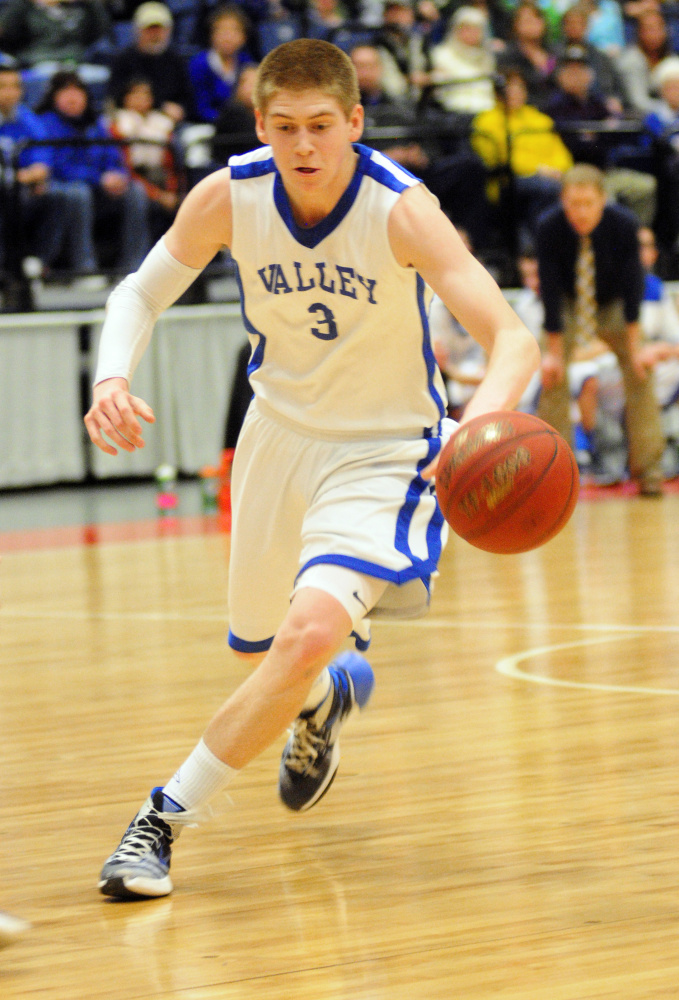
255,715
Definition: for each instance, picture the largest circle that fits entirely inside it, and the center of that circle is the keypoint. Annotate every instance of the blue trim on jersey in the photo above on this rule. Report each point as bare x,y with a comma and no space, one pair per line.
379,172
362,645
257,355
243,646
257,168
427,349
311,237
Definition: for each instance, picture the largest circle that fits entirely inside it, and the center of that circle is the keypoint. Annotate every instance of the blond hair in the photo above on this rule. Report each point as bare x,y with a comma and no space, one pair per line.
582,174
307,64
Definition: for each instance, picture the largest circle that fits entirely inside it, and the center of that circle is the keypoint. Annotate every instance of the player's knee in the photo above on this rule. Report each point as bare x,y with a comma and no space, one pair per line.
307,643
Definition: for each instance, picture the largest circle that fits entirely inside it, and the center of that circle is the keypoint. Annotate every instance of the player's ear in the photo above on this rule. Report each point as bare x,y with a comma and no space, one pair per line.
356,122
259,127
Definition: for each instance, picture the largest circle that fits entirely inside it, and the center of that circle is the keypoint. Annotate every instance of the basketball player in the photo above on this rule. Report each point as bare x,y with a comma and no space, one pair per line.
334,518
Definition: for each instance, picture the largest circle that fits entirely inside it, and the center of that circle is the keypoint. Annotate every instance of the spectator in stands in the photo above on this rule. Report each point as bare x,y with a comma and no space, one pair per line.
457,178
402,47
515,135
607,79
153,58
214,71
49,216
591,282
529,52
606,28
576,101
636,62
662,125
152,163
324,18
96,172
237,117
51,31
463,65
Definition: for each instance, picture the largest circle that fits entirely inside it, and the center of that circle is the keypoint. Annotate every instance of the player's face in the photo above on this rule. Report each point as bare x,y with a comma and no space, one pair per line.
584,205
311,138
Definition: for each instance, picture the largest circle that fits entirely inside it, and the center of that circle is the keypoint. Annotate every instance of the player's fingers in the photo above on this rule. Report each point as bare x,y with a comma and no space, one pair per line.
96,436
120,413
124,440
143,409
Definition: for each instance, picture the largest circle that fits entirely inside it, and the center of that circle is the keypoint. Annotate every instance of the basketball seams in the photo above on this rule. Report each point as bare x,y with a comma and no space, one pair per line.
532,487
482,496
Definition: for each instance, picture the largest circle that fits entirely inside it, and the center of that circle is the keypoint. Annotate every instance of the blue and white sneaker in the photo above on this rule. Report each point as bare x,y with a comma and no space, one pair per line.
312,755
140,866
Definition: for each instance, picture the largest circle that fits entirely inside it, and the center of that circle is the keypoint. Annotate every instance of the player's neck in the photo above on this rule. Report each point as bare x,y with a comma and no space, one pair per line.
311,207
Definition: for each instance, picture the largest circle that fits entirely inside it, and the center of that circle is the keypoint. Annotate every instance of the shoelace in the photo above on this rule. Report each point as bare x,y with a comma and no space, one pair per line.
307,745
144,837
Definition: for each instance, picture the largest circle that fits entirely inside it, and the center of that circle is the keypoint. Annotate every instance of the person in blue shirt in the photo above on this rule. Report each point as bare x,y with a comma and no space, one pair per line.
96,172
214,72
47,210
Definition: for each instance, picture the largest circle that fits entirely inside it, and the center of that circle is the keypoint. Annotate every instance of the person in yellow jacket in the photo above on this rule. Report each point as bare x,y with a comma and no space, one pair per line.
518,142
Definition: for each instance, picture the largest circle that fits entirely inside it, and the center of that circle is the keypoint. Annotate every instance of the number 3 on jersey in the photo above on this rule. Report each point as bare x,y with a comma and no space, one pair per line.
326,328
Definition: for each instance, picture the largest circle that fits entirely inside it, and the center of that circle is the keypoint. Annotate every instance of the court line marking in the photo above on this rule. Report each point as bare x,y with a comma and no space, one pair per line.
508,666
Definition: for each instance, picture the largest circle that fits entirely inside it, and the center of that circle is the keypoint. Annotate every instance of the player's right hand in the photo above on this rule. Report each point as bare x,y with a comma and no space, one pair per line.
114,412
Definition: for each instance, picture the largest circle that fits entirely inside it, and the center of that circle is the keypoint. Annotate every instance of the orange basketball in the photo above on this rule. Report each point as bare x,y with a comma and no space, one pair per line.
507,482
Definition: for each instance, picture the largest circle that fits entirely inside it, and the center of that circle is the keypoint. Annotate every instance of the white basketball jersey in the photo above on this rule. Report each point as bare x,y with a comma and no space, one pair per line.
339,329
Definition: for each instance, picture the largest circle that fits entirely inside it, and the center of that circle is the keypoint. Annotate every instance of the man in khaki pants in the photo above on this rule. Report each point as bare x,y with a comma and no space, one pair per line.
592,286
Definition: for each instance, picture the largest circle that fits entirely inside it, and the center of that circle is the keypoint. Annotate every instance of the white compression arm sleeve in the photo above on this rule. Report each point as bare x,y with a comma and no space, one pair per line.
133,308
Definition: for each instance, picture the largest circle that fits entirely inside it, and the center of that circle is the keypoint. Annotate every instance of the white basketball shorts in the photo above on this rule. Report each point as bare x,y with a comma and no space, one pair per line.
301,503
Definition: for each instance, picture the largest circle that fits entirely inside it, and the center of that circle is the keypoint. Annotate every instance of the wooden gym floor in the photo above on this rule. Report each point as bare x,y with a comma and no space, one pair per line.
504,822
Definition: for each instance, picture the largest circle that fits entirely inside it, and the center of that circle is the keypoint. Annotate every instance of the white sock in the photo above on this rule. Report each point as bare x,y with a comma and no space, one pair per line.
320,689
200,777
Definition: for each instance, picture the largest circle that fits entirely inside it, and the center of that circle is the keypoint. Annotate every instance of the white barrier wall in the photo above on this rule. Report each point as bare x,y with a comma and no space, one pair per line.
186,375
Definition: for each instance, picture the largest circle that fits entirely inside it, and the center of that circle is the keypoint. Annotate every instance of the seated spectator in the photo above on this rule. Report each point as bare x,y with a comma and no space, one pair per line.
529,52
456,178
576,101
51,31
324,17
606,28
214,71
237,118
97,173
662,124
463,65
150,164
401,44
607,79
49,219
516,135
636,62
153,58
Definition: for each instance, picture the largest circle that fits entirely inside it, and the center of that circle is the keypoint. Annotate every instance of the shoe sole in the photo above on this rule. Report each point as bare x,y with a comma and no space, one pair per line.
135,888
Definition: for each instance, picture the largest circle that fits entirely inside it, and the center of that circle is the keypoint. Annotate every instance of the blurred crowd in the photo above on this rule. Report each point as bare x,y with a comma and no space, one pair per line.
110,110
